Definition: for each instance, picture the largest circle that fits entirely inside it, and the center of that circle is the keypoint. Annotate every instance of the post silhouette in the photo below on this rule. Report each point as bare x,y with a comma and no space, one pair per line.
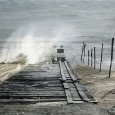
84,49
101,58
112,44
91,57
94,58
82,60
84,52
88,57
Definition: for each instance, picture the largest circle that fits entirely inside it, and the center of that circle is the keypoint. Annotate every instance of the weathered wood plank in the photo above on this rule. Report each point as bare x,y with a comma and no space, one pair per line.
31,71
62,72
29,89
65,86
31,100
43,81
71,85
68,96
81,93
70,72
72,89
78,102
23,88
29,84
33,92
30,78
75,95
26,95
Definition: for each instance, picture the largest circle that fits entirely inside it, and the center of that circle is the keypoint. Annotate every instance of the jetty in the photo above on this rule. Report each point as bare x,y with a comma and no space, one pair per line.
47,84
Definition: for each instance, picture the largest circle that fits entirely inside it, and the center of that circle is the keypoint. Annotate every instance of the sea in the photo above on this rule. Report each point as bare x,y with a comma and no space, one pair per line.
33,27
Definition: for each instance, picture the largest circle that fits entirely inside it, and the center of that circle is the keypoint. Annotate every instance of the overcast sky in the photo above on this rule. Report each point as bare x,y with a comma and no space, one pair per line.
57,18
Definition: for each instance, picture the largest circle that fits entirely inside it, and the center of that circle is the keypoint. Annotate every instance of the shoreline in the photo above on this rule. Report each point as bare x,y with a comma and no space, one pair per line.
101,86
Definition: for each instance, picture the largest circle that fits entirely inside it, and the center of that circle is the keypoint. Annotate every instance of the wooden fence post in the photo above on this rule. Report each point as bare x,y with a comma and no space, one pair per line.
84,49
94,58
88,57
91,57
81,58
84,53
101,58
112,44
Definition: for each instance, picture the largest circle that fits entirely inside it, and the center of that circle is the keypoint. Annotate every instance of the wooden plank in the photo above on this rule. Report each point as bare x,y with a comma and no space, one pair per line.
30,86
72,89
3,96
73,77
62,72
47,89
40,83
70,72
30,78
66,73
23,88
33,92
89,94
77,102
81,93
68,96
32,82
68,78
19,86
75,95
30,71
31,100
65,86
71,85
33,89
54,85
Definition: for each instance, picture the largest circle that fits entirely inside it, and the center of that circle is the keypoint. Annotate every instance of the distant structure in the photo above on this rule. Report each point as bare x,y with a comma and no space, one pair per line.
60,54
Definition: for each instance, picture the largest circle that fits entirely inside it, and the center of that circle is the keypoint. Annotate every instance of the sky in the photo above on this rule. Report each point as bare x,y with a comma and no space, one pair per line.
46,19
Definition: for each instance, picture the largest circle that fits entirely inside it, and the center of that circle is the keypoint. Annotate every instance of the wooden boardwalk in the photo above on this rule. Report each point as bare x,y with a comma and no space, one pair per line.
47,83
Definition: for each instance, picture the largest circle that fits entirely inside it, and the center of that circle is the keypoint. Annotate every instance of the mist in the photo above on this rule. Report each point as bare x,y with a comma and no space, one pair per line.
28,24
89,17
30,40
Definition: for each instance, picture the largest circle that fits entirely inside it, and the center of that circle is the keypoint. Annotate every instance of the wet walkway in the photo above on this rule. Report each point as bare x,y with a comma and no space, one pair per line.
50,89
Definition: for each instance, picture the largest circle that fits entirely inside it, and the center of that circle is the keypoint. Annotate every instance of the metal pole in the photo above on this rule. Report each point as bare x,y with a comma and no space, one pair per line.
101,58
112,44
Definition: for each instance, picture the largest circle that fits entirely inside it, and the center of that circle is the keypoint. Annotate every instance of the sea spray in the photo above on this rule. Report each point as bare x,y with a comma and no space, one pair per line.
34,50
35,40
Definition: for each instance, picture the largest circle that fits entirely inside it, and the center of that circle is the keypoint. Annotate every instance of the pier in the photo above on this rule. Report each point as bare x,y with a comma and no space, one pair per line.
53,82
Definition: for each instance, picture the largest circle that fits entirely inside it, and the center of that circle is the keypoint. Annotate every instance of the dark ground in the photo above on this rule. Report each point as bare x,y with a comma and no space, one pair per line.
53,109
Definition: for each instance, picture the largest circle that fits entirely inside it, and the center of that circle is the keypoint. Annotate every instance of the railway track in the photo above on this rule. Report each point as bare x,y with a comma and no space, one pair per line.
39,84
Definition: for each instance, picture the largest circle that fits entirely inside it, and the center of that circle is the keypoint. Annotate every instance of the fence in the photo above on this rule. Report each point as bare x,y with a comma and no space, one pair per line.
92,56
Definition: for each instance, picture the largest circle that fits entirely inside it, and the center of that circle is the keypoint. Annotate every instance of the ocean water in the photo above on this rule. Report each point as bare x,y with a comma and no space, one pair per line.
33,26
41,50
